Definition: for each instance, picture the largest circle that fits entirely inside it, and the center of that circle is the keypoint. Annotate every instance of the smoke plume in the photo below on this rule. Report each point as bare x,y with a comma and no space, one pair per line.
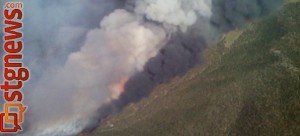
89,59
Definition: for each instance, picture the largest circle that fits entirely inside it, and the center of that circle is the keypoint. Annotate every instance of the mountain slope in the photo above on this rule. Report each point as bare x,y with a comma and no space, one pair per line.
249,85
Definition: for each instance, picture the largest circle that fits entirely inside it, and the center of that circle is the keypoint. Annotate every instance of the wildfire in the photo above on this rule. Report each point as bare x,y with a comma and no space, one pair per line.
118,88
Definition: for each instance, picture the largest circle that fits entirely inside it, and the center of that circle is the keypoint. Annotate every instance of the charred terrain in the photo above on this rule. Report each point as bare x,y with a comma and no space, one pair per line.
248,85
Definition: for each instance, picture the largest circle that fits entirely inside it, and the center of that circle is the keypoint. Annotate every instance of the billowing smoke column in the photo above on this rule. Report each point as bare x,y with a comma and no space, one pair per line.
193,24
83,70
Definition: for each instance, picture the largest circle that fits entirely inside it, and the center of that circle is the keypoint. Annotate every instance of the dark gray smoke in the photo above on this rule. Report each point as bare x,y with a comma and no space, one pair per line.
229,14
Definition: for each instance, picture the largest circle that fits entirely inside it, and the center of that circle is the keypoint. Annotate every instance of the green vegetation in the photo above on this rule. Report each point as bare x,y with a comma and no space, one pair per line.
249,85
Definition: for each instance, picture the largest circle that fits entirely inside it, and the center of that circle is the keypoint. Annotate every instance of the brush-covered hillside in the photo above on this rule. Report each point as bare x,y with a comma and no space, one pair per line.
248,85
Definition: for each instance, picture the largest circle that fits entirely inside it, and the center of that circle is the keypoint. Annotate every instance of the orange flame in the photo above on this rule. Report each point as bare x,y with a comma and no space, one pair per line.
121,85
118,88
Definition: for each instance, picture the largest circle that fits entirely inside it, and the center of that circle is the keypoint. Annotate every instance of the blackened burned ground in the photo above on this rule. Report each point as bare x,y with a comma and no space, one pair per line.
249,85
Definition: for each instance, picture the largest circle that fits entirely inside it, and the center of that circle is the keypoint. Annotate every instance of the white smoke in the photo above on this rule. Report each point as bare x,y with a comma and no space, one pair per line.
117,49
179,13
